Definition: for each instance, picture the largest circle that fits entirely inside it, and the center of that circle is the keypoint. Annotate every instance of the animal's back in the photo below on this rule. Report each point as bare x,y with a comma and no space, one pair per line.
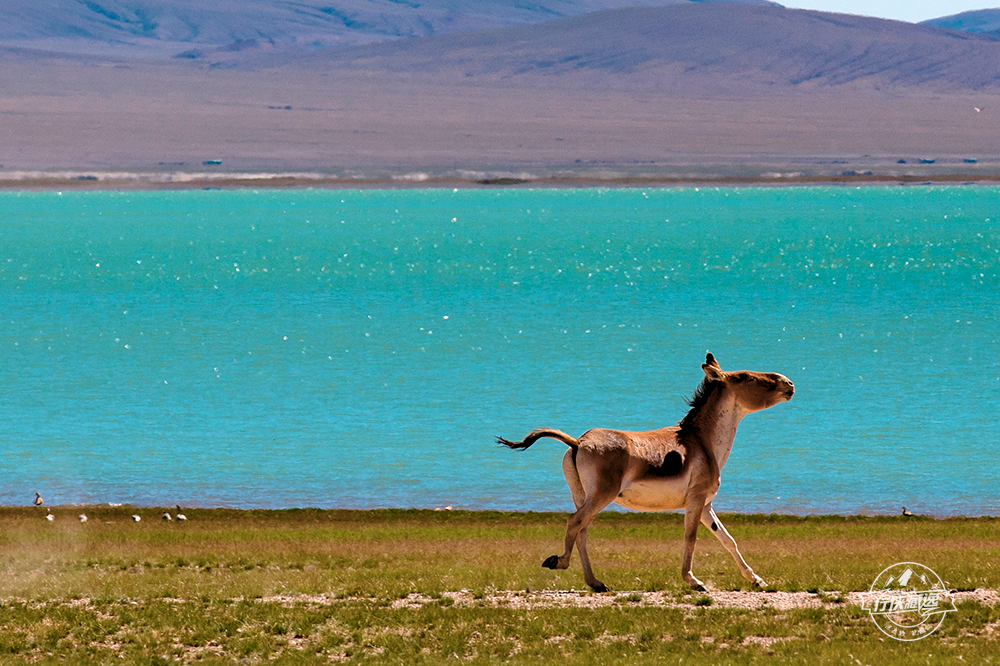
659,448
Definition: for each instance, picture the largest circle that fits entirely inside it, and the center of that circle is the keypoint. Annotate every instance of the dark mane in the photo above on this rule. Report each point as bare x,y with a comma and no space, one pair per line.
697,401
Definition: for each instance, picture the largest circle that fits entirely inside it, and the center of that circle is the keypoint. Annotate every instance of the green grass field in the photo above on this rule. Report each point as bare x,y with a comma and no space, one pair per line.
311,586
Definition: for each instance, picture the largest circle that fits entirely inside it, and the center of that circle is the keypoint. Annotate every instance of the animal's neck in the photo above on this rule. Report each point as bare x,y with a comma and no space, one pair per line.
717,423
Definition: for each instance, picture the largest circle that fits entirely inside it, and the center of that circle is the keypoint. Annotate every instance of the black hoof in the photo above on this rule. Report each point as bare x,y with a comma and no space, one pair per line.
600,587
551,562
700,588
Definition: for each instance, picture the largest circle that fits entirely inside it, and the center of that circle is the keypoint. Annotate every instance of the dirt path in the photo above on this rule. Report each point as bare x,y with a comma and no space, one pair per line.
525,600
719,599
576,599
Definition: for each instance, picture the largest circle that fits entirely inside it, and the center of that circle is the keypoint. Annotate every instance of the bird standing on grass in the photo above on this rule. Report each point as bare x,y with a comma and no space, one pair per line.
48,516
83,517
136,517
906,513
166,516
180,516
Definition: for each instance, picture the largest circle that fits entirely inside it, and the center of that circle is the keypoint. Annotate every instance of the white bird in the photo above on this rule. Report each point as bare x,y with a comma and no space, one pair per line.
166,516
83,517
979,109
180,516
48,516
38,499
136,517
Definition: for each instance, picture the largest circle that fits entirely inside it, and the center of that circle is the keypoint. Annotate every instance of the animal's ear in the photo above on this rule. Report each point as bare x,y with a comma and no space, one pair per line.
711,368
712,372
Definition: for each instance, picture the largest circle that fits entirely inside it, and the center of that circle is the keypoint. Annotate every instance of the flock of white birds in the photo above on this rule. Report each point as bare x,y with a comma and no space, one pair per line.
49,516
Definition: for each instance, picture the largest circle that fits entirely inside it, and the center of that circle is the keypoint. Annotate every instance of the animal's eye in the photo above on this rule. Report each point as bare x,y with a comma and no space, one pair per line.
766,383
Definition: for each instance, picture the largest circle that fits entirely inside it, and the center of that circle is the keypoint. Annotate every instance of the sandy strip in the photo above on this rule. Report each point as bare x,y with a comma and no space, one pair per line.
304,181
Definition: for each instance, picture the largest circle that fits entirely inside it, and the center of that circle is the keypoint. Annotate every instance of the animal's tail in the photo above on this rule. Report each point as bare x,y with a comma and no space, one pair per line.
536,435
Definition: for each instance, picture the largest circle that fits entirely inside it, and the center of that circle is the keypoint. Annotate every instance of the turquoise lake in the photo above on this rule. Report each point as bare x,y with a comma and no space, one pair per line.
363,348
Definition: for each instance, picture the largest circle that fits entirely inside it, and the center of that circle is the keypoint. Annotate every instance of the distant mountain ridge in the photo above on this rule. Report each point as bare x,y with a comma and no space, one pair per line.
166,27
700,48
708,48
983,21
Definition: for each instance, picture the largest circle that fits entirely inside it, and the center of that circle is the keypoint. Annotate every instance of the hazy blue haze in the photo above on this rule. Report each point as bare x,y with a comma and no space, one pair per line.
363,348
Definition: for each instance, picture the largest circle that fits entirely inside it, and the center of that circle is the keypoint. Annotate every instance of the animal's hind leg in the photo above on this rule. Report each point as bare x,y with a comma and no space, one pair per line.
588,574
579,498
576,526
712,522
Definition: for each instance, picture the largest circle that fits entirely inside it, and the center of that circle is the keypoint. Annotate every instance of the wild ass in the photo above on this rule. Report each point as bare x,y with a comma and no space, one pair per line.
671,468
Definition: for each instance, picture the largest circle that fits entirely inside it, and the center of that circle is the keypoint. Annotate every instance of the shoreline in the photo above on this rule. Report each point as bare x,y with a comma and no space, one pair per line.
148,182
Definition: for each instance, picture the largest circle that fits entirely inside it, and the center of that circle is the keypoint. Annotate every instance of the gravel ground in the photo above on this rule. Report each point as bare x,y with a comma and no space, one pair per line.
720,599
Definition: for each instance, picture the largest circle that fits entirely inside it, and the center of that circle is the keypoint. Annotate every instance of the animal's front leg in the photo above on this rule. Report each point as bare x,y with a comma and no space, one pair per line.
712,522
692,513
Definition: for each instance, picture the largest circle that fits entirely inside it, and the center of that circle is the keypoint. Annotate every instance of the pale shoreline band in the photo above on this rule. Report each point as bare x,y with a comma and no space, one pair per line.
306,181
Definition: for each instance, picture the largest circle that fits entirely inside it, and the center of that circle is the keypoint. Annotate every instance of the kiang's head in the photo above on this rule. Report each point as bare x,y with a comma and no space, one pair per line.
754,391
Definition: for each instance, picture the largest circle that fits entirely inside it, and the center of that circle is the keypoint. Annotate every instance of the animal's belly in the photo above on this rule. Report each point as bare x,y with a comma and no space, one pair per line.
653,495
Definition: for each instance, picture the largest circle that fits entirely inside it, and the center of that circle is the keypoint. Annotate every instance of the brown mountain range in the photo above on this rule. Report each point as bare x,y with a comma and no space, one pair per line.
687,88
168,27
692,48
